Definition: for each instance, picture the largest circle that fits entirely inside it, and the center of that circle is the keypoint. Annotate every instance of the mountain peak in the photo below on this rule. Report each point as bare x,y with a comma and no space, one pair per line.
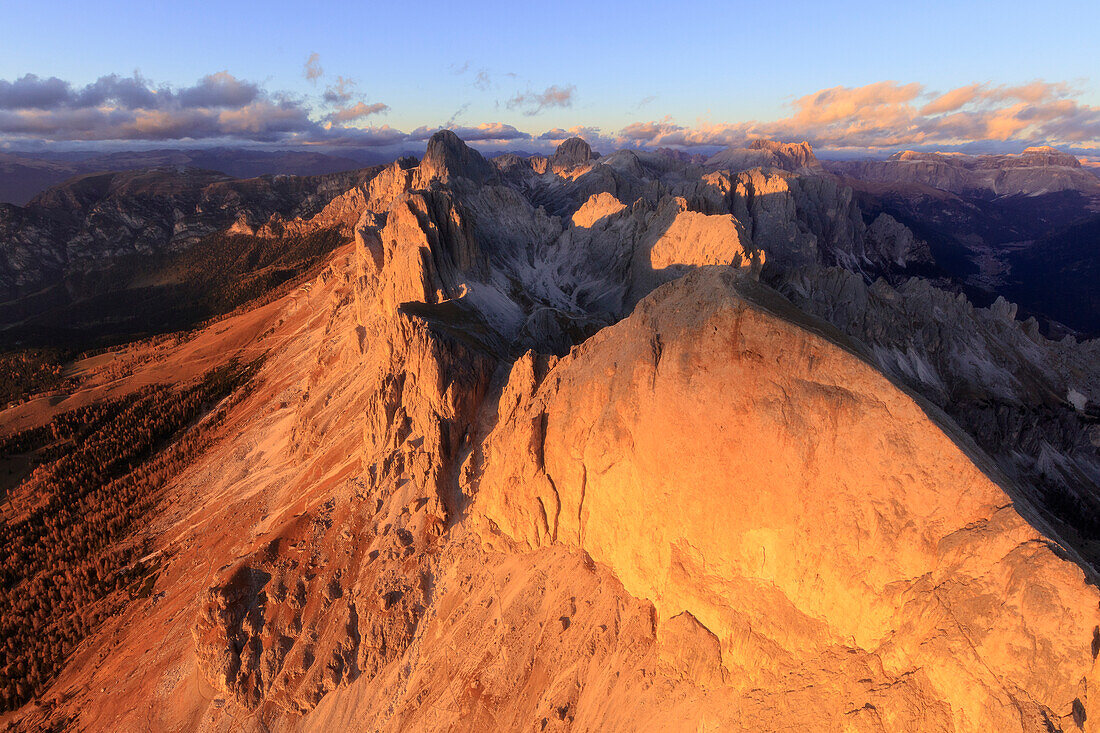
767,153
449,157
572,152
778,146
1049,155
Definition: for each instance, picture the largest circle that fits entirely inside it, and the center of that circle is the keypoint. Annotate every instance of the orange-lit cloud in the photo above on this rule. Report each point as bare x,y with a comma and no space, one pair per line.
357,112
890,115
952,100
486,131
591,134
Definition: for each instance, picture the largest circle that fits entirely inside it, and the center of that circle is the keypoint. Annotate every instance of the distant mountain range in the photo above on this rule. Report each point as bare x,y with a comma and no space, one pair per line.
1034,172
1000,224
22,175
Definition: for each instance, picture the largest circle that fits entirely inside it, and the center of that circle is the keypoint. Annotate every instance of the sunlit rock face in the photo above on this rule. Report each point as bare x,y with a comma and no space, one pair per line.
562,444
733,461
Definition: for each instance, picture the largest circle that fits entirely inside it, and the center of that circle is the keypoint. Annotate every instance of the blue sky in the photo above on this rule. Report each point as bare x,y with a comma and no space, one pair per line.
684,63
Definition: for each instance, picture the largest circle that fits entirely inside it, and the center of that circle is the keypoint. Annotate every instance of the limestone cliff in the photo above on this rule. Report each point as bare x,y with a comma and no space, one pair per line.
736,463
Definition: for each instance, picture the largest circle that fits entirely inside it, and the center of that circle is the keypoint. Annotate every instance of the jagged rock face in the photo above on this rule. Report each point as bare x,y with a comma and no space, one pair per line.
680,240
1013,245
896,243
599,208
1035,171
313,611
752,472
336,591
571,153
802,220
998,378
487,253
374,193
447,157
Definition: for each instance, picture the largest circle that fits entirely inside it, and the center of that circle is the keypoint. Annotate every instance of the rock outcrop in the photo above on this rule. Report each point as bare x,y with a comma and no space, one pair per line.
794,157
747,468
447,158
571,153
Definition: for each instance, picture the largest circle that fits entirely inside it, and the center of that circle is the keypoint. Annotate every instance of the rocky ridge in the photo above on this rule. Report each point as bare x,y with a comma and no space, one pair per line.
616,443
1035,171
95,219
794,157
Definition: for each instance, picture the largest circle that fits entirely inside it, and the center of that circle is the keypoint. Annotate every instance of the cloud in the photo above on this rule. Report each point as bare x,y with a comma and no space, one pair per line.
365,137
340,97
134,92
457,113
594,136
357,112
32,92
260,121
666,133
558,134
952,100
889,115
341,92
217,107
214,90
312,69
132,108
532,103
842,103
482,81
219,90
485,132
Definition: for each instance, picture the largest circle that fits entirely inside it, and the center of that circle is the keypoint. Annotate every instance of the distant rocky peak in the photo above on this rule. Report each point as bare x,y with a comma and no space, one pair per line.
1041,155
573,152
448,157
1047,155
801,153
797,157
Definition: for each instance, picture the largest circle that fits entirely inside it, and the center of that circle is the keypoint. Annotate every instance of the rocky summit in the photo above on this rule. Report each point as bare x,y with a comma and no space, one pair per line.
633,441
